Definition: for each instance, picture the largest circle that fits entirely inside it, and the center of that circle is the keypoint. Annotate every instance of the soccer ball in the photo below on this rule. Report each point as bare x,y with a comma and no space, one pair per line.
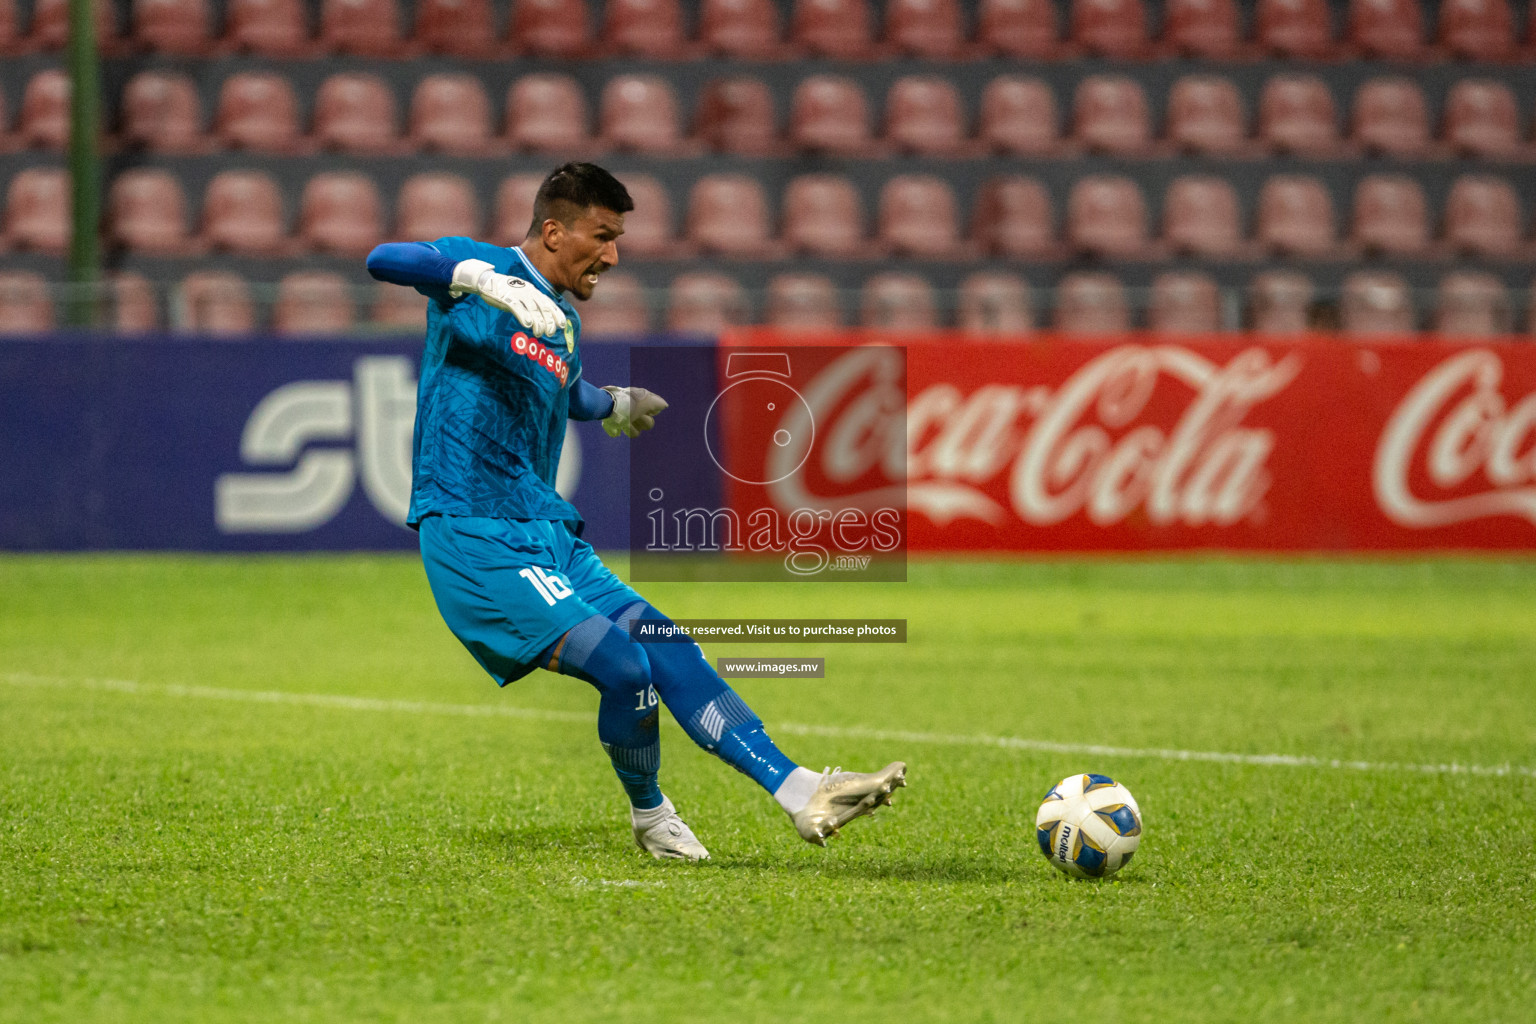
1088,826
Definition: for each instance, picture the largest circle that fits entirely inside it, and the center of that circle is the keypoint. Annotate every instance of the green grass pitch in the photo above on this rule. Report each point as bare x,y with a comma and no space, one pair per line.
169,852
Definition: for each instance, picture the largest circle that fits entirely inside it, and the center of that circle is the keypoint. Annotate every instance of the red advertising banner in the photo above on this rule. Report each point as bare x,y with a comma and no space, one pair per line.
1143,443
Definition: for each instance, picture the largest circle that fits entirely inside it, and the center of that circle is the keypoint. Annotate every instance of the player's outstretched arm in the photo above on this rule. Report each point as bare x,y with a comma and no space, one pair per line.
589,402
634,410
420,265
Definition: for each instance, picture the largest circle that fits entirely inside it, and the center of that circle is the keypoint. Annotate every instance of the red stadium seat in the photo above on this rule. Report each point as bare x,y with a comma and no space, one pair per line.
1110,28
643,28
513,215
705,304
1391,119
1205,29
1391,216
450,114
11,41
1296,115
638,114
648,227
898,302
1482,119
161,113
803,302
243,214
180,27
1386,29
1012,219
550,28
1184,303
918,218
1295,217
728,216
44,119
924,28
830,115
1477,29
923,116
1206,116
135,307
1109,115
1471,304
1483,217
1018,117
25,305
840,29
146,212
1279,302
37,209
824,217
748,29
433,206
995,304
50,25
736,115
1294,28
313,302
215,304
368,28
272,28
258,112
1376,303
456,28
1091,303
398,309
617,308
1107,217
1201,218
342,213
356,114
1018,28
547,113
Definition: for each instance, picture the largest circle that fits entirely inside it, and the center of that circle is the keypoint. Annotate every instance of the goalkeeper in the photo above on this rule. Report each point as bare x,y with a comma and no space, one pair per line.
511,575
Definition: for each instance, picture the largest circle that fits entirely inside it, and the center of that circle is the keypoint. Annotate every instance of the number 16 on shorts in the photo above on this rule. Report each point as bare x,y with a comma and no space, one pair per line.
550,588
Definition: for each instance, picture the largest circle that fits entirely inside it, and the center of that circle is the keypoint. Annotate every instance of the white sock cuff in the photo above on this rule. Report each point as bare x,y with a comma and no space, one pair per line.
797,789
646,817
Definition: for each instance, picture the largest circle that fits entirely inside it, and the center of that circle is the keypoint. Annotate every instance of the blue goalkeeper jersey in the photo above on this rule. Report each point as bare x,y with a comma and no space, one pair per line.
492,402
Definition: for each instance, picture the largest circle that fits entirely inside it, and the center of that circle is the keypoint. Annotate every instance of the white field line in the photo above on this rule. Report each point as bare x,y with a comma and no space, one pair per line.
323,700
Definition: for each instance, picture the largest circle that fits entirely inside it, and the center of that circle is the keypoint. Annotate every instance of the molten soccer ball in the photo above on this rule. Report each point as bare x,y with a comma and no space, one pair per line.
1088,825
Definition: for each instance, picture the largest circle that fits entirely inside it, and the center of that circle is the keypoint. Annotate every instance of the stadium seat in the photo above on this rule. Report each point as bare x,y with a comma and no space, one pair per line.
547,113
638,114
1203,29
1091,303
243,214
50,26
995,304
1206,116
135,307
355,114
455,28
1299,29
1116,29
550,28
215,304
1297,116
1107,217
932,29
704,303
1201,218
1012,219
1481,30
1184,303
1024,29
25,305
648,227
513,213
161,113
803,302
450,114
1018,117
176,27
728,216
146,212
1279,302
898,302
37,209
1482,119
313,302
1472,304
643,28
841,29
918,218
365,28
342,213
923,116
830,115
271,28
258,112
1295,217
1109,115
436,205
43,122
1385,29
1390,216
736,115
746,29
1483,217
1375,302
11,40
398,309
823,216
617,308
1390,118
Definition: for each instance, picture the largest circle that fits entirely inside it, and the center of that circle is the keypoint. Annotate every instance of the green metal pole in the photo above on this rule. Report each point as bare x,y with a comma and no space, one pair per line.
84,165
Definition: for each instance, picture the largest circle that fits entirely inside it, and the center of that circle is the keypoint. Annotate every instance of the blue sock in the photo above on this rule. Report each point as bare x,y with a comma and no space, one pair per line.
599,652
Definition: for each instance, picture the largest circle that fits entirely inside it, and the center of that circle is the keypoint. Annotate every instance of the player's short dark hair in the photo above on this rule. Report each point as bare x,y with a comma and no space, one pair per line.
571,189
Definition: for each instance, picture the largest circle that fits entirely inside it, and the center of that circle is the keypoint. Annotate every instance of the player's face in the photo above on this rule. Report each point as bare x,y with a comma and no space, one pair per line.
590,248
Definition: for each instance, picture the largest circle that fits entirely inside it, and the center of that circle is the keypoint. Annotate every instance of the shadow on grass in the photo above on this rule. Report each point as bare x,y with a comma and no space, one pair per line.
537,839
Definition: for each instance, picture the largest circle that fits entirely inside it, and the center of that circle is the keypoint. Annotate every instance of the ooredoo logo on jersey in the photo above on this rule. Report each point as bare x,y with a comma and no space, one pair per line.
540,354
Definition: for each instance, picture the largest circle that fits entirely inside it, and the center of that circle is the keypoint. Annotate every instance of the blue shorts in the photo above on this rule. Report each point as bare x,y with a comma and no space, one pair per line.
508,588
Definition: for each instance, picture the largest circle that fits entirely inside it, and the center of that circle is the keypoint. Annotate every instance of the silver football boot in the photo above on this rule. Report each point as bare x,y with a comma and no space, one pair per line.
843,796
670,838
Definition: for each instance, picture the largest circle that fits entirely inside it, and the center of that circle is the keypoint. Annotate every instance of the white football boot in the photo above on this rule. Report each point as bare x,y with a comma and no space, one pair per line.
667,836
842,796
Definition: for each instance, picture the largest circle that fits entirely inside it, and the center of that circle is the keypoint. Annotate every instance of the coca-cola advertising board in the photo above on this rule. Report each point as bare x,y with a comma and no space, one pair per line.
1139,443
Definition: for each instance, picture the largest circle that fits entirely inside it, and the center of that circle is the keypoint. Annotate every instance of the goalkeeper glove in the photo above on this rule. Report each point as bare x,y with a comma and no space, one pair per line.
533,309
634,410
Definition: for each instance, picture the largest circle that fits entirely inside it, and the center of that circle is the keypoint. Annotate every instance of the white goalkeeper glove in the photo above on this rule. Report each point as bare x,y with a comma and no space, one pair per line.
634,410
533,309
